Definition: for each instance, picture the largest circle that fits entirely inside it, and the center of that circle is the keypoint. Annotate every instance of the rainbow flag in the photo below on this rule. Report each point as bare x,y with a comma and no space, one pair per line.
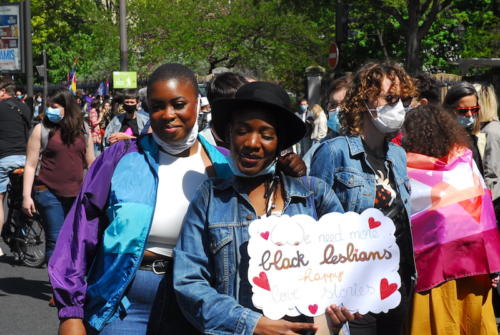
453,223
72,81
101,89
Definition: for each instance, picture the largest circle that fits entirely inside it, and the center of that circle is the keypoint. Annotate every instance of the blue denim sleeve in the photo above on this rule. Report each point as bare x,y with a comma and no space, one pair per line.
325,199
323,163
208,310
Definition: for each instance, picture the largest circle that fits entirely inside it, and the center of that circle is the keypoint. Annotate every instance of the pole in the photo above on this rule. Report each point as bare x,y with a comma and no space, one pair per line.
28,48
341,28
45,80
123,36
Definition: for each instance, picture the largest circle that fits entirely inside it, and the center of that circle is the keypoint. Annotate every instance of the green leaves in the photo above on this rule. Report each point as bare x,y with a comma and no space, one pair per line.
276,39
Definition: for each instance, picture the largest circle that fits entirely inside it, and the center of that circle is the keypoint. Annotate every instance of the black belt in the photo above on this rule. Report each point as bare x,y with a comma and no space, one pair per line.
158,266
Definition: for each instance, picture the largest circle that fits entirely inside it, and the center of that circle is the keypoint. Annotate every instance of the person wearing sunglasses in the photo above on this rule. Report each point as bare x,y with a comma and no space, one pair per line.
462,101
366,170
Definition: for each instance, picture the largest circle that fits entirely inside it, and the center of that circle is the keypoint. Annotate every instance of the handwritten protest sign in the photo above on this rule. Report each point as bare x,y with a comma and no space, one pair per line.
300,266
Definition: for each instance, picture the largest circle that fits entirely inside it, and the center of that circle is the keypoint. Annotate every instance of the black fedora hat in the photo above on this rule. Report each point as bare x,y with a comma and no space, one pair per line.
270,96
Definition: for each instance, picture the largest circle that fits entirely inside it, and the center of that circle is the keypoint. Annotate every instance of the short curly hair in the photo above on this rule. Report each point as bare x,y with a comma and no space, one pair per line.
432,131
366,86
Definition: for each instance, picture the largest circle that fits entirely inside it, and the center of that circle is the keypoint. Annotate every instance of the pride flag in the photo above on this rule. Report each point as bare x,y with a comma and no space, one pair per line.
72,81
101,89
453,222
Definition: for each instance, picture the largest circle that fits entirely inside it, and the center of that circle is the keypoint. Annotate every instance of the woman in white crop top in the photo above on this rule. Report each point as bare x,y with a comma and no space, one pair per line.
183,164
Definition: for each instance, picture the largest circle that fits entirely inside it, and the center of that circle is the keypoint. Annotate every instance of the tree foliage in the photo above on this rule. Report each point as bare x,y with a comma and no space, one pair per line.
275,39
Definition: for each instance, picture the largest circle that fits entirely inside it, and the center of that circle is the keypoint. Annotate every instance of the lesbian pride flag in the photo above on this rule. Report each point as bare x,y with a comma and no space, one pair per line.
453,222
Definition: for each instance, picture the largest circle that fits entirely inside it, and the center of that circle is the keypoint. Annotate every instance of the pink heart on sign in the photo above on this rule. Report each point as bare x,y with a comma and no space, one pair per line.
387,289
313,308
373,224
261,281
265,235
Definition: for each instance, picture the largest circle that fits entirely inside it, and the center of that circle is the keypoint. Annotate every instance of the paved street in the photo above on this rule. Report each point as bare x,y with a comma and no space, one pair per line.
24,296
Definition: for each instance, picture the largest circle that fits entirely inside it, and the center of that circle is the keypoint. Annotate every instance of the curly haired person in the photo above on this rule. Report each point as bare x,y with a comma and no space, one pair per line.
366,170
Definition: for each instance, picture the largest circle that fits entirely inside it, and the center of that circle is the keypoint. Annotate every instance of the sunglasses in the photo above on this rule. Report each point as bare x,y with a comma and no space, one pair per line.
393,99
464,110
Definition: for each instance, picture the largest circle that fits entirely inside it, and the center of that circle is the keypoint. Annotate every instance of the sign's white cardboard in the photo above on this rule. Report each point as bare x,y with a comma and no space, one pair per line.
300,266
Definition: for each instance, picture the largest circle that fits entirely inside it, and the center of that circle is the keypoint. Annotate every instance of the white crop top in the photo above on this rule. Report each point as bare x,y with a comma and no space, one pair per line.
179,178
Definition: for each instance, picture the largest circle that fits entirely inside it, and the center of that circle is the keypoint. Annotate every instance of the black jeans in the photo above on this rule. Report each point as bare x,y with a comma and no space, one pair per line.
390,323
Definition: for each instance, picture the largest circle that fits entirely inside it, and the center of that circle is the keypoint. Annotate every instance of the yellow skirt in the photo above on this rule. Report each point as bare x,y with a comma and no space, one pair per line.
456,307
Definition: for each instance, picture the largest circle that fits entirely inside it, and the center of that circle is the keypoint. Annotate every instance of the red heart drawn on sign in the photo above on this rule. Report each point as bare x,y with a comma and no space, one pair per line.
261,281
373,224
387,289
313,308
265,235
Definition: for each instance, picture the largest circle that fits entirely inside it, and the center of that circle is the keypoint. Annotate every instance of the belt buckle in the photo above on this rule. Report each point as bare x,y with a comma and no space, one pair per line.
158,262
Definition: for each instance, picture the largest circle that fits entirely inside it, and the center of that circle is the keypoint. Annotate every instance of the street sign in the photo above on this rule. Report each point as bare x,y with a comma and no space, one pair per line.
41,70
11,38
124,79
333,56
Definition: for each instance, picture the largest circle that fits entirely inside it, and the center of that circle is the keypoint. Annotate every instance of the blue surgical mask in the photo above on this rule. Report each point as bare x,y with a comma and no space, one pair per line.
19,97
466,121
333,120
270,169
38,99
54,114
303,108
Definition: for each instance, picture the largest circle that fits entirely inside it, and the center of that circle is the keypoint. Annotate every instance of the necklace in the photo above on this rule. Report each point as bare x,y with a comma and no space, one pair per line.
270,195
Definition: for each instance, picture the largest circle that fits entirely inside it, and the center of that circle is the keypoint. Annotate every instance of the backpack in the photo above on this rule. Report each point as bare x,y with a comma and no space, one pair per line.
26,122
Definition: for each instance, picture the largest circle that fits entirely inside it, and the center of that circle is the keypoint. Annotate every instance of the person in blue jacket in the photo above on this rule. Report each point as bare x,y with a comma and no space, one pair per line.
366,170
111,270
210,257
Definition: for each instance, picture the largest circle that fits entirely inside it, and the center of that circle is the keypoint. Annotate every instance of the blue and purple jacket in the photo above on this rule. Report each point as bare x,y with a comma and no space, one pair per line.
102,242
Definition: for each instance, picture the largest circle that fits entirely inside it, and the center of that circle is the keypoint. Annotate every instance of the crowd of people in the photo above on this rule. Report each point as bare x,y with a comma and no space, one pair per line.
146,198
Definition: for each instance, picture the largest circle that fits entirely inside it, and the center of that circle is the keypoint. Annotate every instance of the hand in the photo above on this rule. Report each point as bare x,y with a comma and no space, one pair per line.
494,281
266,326
339,315
28,206
116,137
292,165
72,327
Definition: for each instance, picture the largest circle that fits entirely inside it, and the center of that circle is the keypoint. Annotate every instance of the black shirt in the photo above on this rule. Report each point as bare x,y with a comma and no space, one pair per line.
15,123
130,123
389,202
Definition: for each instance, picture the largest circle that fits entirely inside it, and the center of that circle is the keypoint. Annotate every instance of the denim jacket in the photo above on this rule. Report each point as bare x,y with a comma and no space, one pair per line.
342,162
116,124
211,259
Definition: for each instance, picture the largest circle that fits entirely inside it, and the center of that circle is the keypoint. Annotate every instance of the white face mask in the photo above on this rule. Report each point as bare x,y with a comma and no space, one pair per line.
389,118
176,147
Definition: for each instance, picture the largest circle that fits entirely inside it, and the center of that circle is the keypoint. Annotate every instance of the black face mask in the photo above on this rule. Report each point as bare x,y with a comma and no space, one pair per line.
129,108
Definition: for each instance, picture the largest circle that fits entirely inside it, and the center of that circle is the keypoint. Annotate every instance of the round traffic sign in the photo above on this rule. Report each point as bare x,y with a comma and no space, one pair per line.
333,56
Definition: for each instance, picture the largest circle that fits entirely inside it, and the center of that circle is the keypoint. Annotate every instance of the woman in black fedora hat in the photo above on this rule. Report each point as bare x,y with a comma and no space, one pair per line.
211,259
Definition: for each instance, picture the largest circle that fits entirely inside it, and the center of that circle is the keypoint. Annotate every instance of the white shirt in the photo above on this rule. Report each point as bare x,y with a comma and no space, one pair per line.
179,178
